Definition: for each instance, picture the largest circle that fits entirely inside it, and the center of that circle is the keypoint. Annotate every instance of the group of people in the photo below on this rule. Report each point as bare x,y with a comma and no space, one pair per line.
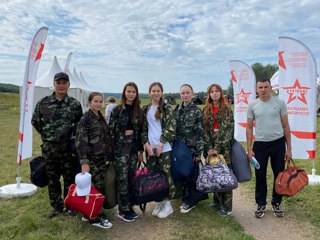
130,133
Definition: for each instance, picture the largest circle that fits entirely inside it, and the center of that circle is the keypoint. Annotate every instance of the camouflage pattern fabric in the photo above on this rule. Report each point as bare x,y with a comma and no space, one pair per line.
56,122
168,123
222,140
117,126
93,138
126,165
190,127
162,163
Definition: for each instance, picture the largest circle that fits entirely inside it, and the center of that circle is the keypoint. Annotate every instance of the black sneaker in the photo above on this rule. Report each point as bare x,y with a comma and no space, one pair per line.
214,205
224,212
133,213
100,223
187,208
260,211
126,216
277,211
70,212
55,212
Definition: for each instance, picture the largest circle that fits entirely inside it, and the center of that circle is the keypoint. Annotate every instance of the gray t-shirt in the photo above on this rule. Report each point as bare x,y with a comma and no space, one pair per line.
267,117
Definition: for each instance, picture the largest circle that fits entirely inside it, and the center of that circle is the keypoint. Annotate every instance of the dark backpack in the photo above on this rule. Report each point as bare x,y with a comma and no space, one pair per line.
38,174
240,163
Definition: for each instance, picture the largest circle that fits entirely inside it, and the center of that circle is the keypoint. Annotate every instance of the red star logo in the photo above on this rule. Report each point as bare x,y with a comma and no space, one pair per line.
297,92
243,96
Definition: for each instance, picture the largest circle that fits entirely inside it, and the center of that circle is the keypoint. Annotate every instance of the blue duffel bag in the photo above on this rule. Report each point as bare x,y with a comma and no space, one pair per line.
182,165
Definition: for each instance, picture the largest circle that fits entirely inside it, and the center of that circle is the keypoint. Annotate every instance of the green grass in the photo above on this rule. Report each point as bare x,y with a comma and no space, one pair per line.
25,218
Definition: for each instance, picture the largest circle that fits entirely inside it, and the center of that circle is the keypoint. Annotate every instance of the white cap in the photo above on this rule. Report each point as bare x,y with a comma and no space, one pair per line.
83,184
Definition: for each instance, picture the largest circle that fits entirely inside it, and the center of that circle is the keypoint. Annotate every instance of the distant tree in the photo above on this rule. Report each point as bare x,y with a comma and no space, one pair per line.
262,71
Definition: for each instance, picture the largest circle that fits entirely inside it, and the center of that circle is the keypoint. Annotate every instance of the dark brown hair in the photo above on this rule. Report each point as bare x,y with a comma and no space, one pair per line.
93,94
209,105
136,102
158,112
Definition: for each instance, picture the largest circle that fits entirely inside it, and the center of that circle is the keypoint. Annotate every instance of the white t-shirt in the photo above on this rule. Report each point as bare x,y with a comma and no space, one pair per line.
109,109
155,130
267,116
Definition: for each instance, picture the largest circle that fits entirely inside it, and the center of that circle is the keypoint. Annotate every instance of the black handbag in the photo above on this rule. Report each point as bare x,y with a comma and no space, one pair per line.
38,174
148,187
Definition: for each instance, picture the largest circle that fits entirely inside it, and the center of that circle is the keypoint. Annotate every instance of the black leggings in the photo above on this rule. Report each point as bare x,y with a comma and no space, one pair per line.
276,151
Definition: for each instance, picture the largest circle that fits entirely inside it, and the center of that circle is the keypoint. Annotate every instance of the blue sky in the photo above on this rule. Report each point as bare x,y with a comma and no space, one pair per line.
170,41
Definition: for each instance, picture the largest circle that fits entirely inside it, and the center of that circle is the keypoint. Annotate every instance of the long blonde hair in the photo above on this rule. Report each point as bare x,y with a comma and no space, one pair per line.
209,105
158,112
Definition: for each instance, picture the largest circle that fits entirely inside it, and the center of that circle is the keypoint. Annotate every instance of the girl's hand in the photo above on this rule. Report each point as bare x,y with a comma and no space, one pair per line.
148,148
159,149
212,152
85,168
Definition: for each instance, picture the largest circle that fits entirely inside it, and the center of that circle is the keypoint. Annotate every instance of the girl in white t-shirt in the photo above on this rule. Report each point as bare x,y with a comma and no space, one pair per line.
158,134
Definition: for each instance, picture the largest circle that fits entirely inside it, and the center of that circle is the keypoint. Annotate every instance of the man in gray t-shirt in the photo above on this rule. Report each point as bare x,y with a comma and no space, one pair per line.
272,139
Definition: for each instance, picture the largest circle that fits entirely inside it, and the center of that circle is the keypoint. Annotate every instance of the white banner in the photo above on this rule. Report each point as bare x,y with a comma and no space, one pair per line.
244,92
298,88
26,99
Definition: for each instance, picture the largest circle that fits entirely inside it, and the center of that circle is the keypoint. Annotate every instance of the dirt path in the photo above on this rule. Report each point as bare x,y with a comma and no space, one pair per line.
268,227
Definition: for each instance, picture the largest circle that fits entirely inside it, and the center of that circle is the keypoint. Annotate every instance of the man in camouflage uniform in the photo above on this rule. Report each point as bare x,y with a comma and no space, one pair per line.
55,118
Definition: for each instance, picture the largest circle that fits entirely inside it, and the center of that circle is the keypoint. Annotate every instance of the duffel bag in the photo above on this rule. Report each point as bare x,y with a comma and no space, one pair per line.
216,178
291,180
240,163
38,174
90,205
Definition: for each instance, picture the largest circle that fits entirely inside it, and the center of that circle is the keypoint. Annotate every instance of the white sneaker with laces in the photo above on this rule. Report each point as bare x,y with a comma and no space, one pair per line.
101,223
158,208
166,210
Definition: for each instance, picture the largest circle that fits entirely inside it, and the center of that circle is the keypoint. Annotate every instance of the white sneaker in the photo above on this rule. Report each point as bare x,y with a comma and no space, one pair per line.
101,223
166,210
158,208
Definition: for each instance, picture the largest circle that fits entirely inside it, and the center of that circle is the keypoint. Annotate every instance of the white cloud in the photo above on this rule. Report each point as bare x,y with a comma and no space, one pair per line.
173,42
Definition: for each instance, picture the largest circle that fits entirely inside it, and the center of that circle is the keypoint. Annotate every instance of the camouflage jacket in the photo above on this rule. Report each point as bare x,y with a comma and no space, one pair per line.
92,137
56,121
118,125
190,127
220,141
168,123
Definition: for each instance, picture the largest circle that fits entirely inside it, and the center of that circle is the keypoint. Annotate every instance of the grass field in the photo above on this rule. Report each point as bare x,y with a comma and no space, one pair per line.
25,218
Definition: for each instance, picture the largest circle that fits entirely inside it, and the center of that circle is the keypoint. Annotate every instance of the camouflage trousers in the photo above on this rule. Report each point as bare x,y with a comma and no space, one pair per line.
162,163
97,170
126,165
224,199
59,162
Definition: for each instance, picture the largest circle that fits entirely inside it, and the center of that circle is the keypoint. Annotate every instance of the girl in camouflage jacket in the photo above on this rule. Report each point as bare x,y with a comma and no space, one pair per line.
125,128
93,147
190,131
219,127
158,133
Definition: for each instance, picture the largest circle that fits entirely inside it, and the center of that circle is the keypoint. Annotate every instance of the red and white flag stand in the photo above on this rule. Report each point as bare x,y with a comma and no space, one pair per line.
26,108
298,88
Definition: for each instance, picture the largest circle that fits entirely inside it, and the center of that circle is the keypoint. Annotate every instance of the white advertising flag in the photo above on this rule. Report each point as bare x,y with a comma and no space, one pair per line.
298,88
244,92
26,99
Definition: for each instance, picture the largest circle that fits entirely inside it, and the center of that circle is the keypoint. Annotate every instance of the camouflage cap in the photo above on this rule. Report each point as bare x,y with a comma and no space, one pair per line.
61,75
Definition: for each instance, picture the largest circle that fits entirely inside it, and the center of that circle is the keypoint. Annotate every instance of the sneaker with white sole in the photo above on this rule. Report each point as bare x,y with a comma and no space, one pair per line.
166,210
101,223
277,211
224,212
133,213
126,216
187,208
158,208
261,209
183,205
214,205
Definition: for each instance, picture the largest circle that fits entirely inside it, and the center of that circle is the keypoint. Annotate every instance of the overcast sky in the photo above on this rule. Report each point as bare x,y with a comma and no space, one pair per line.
170,41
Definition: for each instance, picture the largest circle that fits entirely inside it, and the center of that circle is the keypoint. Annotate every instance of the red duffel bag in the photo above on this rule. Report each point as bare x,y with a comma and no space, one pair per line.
291,180
90,205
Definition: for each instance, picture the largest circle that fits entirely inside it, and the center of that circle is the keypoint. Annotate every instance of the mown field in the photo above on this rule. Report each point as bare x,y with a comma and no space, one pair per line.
25,218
